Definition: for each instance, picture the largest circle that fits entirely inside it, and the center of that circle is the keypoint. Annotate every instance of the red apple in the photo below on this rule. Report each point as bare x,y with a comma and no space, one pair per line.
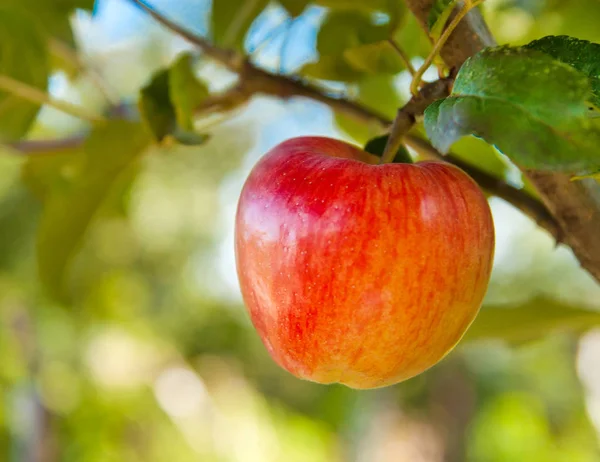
359,273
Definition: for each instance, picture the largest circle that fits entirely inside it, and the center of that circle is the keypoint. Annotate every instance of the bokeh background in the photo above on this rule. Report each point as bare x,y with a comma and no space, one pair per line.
155,360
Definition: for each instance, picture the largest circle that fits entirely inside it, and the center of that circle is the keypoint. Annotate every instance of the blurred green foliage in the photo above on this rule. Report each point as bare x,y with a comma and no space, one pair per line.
147,353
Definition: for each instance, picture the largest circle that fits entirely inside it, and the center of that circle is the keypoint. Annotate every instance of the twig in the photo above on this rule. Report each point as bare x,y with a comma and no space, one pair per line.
35,95
259,81
228,58
65,52
226,101
405,58
46,146
468,6
406,116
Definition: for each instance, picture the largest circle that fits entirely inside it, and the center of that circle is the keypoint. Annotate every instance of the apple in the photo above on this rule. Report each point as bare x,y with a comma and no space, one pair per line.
355,272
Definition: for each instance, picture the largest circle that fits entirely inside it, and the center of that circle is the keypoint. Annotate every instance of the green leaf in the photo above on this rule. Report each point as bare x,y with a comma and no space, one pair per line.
381,94
530,106
343,30
377,145
294,7
168,102
378,93
477,152
358,131
69,210
374,58
23,57
155,105
350,38
186,92
231,20
438,16
580,54
413,37
52,171
53,15
331,68
530,321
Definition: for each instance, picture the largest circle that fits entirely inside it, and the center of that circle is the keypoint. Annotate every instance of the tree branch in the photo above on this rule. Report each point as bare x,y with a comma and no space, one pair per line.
407,115
469,37
254,80
230,59
575,205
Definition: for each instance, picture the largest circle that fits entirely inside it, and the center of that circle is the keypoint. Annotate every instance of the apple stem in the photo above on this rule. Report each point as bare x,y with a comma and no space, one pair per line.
407,115
402,124
403,56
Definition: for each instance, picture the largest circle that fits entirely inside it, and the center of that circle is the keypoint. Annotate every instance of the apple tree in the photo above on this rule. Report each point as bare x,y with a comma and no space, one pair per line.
507,91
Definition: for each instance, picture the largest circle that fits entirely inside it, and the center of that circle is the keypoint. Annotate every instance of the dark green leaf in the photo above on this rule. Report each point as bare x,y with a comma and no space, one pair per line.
294,7
477,152
530,321
190,138
168,102
231,19
69,210
377,145
580,54
156,107
438,16
23,57
186,92
530,106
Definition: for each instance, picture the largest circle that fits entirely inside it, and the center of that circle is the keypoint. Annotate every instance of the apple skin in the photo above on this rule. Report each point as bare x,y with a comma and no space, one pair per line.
358,273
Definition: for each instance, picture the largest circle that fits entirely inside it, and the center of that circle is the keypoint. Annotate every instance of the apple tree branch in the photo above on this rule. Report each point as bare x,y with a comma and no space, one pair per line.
254,80
575,205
